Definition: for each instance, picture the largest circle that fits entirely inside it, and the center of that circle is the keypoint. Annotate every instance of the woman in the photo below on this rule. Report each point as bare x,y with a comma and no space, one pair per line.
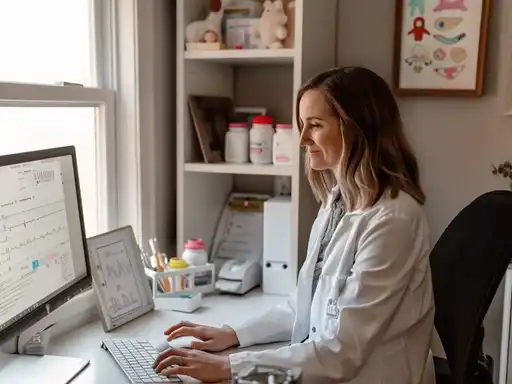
363,311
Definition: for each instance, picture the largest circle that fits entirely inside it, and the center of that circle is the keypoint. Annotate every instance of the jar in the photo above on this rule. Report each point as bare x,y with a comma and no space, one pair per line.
181,282
260,140
237,143
195,252
282,145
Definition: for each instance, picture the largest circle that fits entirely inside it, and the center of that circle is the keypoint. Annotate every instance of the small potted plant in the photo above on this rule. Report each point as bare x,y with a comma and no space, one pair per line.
504,169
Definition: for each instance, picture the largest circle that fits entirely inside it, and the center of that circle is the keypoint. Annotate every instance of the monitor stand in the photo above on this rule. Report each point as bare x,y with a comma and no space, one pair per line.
32,363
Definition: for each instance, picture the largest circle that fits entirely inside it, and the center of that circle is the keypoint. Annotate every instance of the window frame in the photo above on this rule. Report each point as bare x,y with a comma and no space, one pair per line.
123,62
103,98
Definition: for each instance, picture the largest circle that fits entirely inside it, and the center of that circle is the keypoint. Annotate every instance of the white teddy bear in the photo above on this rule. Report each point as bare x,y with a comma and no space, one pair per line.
272,28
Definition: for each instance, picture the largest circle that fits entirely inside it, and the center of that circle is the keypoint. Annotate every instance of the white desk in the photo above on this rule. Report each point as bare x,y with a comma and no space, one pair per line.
85,342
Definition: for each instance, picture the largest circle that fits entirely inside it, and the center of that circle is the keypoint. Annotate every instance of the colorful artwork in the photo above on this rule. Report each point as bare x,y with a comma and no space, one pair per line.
449,40
417,5
440,44
443,24
419,59
418,30
439,54
458,54
450,5
449,73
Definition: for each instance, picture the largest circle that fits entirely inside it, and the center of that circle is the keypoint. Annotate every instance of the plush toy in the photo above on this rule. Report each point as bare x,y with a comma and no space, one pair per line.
272,28
209,29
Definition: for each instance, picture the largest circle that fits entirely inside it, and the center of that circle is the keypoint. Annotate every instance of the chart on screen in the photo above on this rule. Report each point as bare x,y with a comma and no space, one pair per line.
35,250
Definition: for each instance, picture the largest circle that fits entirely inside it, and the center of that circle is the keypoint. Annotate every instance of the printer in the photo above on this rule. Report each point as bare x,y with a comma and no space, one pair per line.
238,276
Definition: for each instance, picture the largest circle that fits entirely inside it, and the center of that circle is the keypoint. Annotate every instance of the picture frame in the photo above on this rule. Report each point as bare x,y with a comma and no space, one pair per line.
119,279
211,116
440,47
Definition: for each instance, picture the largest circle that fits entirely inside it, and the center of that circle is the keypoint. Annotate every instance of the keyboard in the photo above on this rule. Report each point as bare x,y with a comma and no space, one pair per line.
136,358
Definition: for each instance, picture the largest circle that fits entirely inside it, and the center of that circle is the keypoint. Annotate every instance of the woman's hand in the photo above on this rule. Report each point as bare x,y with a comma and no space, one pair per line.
200,365
212,338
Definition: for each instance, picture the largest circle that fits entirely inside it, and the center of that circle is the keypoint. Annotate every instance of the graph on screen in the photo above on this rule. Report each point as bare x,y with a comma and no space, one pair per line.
118,279
35,251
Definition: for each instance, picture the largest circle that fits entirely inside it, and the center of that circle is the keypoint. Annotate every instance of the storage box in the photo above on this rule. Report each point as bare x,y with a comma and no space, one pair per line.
242,33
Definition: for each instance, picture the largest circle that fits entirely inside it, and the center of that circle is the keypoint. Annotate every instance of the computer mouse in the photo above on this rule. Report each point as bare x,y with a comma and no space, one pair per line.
181,342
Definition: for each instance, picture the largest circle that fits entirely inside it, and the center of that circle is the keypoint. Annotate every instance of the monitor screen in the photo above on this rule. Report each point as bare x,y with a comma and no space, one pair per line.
42,243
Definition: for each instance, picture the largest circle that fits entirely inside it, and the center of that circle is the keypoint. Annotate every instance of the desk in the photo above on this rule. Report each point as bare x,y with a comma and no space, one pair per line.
85,342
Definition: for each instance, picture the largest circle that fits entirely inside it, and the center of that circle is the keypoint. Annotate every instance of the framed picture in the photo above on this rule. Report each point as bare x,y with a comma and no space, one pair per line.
119,280
211,116
440,47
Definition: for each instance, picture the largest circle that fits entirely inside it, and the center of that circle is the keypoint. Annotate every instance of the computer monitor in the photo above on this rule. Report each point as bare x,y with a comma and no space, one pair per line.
43,246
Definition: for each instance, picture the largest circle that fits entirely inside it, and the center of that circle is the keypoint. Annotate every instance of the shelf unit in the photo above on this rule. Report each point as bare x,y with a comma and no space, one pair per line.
252,78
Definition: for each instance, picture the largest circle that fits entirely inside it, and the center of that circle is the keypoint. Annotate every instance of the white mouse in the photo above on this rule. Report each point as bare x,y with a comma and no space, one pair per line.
181,342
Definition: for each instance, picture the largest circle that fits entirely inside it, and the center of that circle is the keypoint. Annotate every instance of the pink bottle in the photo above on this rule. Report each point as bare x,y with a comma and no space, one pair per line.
195,252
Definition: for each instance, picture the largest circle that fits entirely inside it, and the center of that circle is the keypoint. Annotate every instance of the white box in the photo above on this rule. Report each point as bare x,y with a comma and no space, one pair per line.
242,33
277,253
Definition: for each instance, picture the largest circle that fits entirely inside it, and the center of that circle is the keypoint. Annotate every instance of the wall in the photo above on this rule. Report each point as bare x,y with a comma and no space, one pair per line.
456,139
165,91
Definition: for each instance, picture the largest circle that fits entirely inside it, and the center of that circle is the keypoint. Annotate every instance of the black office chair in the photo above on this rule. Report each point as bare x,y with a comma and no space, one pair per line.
468,263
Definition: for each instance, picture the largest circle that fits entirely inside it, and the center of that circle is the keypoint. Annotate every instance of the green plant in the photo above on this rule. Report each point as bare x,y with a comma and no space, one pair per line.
504,169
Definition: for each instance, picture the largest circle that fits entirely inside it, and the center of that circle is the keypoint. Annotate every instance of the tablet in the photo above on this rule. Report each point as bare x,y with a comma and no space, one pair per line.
119,280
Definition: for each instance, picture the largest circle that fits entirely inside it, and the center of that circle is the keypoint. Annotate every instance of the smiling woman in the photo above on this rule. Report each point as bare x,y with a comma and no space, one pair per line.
363,309
352,130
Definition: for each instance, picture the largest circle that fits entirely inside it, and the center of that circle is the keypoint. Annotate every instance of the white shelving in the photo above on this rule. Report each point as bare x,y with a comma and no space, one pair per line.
241,57
240,169
252,78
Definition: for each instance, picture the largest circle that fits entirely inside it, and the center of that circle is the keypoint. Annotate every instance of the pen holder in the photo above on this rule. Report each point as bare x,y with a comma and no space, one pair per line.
191,275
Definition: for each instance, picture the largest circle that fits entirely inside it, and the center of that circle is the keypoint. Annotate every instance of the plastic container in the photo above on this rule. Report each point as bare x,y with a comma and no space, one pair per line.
237,143
195,252
282,145
183,303
260,140
181,282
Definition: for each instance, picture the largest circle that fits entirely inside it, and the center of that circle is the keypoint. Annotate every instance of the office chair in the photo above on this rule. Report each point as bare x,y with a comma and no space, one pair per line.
468,262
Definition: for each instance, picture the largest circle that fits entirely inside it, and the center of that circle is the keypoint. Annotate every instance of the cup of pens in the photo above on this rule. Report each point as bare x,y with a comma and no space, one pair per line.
177,274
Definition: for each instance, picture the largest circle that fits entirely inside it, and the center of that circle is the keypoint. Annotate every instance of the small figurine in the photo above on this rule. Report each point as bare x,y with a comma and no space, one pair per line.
211,37
210,28
272,28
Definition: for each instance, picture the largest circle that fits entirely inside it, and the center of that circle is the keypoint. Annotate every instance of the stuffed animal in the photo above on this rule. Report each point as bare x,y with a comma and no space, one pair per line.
272,28
209,29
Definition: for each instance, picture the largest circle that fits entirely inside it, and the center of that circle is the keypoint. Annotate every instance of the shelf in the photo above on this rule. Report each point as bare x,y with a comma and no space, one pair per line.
240,169
244,56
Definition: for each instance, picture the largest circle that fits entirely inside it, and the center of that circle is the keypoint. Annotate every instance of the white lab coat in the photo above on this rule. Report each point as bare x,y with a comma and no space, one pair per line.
371,318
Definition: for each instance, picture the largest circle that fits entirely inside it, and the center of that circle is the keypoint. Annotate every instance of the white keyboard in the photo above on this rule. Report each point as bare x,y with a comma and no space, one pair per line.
136,358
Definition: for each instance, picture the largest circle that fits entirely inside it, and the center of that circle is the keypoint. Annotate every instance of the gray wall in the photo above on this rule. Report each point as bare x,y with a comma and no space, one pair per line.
456,139
164,73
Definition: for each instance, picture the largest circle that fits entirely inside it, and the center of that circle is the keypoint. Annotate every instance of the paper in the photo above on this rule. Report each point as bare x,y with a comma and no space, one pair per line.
243,239
118,280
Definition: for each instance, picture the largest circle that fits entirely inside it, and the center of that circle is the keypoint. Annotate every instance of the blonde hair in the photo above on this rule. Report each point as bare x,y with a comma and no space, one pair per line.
376,157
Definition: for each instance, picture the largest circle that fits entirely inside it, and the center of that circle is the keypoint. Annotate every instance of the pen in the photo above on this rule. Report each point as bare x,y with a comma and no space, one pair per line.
160,266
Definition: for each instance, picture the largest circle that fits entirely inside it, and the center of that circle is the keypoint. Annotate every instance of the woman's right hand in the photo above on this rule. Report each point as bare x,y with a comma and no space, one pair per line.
213,339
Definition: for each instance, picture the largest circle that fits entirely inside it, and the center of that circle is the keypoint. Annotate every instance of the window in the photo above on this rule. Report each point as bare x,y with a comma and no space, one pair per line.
44,43
52,127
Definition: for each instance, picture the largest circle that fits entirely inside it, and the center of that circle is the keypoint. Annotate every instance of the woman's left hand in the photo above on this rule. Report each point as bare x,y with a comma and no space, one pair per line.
200,365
